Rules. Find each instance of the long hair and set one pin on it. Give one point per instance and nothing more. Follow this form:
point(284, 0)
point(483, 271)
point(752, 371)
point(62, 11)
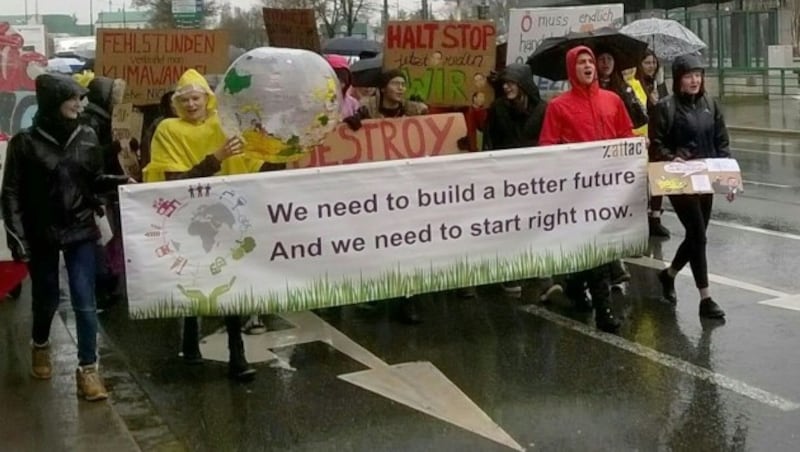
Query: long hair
point(648, 83)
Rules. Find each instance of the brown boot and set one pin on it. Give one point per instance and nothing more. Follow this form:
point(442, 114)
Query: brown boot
point(40, 362)
point(90, 385)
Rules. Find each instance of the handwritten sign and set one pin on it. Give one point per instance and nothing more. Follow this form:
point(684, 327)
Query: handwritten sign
point(151, 61)
point(126, 128)
point(446, 63)
point(389, 139)
point(719, 176)
point(292, 28)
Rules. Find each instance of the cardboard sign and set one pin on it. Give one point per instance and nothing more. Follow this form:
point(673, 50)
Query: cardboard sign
point(695, 177)
point(292, 28)
point(389, 139)
point(446, 63)
point(152, 61)
point(126, 129)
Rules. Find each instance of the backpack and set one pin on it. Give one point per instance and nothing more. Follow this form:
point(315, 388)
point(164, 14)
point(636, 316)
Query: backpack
point(671, 107)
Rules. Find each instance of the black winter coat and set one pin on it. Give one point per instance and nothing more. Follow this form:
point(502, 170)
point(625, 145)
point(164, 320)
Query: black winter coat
point(507, 126)
point(49, 190)
point(98, 117)
point(698, 128)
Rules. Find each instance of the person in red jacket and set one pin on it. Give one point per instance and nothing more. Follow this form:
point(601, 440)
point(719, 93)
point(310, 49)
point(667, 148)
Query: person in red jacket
point(587, 113)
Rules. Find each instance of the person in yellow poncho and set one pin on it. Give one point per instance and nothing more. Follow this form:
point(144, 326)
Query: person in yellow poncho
point(190, 146)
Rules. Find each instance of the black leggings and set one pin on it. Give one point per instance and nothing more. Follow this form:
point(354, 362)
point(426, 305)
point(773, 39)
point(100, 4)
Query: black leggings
point(694, 211)
point(655, 204)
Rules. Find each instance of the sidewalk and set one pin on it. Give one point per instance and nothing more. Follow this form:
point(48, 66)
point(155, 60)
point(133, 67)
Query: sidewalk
point(771, 116)
point(47, 415)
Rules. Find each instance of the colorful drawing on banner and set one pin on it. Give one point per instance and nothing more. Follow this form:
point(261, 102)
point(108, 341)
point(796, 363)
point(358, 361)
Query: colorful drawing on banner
point(282, 102)
point(306, 239)
point(528, 27)
point(446, 63)
point(389, 139)
point(292, 28)
point(18, 67)
point(152, 61)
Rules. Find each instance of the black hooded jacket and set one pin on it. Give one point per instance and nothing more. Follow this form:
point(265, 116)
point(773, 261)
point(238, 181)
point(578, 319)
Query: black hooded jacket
point(53, 171)
point(697, 129)
point(97, 115)
point(509, 126)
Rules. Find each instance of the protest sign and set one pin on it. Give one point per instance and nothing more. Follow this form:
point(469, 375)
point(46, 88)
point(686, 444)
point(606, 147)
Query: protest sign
point(446, 63)
point(292, 28)
point(126, 131)
point(528, 27)
point(152, 61)
point(317, 237)
point(389, 139)
point(695, 176)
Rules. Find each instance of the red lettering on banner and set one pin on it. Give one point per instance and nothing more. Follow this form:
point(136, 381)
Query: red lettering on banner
point(389, 139)
point(467, 36)
point(418, 36)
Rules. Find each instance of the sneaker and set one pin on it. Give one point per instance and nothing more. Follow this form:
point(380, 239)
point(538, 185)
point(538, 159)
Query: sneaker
point(710, 310)
point(551, 291)
point(667, 286)
point(90, 385)
point(41, 368)
point(512, 288)
point(467, 292)
point(254, 326)
point(656, 228)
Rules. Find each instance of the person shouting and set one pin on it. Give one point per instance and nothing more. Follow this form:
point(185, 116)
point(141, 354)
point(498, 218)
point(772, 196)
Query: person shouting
point(587, 113)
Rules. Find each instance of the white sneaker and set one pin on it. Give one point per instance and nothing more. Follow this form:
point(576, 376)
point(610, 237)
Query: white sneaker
point(254, 326)
point(551, 291)
point(511, 288)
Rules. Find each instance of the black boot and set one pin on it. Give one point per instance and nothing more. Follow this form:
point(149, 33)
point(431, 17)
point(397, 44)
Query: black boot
point(407, 311)
point(576, 292)
point(656, 228)
point(238, 368)
point(619, 274)
point(667, 286)
point(710, 310)
point(605, 320)
point(190, 348)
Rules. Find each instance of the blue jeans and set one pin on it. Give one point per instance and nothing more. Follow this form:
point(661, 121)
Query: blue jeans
point(81, 267)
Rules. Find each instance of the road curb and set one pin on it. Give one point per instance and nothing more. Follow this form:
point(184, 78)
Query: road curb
point(764, 131)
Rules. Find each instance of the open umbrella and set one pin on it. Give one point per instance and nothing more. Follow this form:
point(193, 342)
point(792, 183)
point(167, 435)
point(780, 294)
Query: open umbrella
point(550, 58)
point(668, 39)
point(366, 72)
point(353, 46)
point(65, 65)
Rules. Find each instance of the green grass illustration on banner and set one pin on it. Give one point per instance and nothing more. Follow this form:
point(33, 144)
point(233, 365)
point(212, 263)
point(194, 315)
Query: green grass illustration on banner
point(323, 293)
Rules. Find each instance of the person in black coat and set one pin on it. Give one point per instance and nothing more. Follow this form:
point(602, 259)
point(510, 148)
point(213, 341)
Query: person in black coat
point(647, 73)
point(515, 117)
point(689, 125)
point(515, 120)
point(52, 179)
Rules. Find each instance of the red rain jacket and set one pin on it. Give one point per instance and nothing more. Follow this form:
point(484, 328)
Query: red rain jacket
point(584, 113)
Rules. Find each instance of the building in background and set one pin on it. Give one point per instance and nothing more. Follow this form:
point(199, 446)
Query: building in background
point(123, 19)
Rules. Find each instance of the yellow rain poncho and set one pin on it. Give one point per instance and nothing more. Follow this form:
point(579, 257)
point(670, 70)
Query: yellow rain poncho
point(638, 90)
point(179, 145)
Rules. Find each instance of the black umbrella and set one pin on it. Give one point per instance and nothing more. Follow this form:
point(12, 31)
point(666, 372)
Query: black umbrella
point(353, 46)
point(550, 58)
point(366, 72)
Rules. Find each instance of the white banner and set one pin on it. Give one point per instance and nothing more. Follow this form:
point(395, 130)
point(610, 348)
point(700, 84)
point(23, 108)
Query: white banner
point(528, 27)
point(316, 237)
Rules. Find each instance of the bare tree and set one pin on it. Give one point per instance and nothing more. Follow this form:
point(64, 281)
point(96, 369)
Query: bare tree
point(245, 27)
point(161, 12)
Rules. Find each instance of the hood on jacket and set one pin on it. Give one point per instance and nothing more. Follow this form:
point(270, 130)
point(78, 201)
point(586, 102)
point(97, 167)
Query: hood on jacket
point(572, 60)
point(52, 90)
point(683, 65)
point(522, 75)
point(341, 66)
point(106, 92)
point(191, 80)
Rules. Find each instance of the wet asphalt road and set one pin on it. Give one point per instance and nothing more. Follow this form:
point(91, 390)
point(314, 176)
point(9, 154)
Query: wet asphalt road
point(543, 375)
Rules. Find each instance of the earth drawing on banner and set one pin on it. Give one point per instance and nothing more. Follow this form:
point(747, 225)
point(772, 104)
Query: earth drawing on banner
point(282, 102)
